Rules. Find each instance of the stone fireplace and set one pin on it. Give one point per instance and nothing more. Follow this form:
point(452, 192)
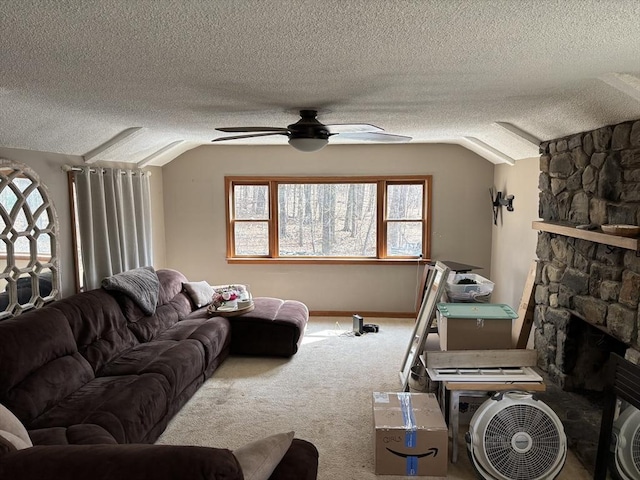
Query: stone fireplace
point(587, 292)
point(588, 178)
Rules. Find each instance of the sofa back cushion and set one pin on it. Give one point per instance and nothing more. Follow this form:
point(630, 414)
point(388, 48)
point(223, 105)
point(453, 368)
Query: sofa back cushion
point(39, 363)
point(173, 305)
point(98, 325)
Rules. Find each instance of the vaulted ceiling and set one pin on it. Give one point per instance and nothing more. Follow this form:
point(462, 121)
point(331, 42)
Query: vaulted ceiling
point(143, 81)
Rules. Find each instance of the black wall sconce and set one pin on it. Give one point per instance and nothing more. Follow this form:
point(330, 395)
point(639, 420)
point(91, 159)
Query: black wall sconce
point(498, 201)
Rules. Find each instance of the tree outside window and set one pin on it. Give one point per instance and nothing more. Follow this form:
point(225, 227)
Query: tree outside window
point(328, 218)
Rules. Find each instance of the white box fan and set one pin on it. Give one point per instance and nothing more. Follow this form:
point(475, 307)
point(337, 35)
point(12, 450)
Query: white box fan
point(513, 436)
point(625, 444)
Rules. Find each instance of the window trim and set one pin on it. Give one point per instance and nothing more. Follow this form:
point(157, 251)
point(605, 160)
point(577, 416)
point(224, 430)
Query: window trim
point(382, 222)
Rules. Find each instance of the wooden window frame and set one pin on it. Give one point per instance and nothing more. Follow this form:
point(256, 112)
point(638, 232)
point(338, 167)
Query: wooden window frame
point(382, 183)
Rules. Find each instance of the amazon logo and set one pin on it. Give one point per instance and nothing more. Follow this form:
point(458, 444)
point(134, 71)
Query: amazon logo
point(432, 452)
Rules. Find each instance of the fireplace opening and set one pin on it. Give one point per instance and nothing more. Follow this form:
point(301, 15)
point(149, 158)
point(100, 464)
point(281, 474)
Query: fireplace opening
point(585, 358)
point(576, 394)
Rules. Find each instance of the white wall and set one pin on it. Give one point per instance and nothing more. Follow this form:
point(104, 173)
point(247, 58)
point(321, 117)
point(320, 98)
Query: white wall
point(513, 246)
point(194, 211)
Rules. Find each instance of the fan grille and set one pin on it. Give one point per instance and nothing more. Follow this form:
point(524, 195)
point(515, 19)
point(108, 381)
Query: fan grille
point(635, 449)
point(538, 457)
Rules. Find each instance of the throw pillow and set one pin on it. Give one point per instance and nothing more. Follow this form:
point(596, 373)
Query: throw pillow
point(200, 292)
point(140, 284)
point(6, 446)
point(259, 459)
point(11, 428)
point(13, 441)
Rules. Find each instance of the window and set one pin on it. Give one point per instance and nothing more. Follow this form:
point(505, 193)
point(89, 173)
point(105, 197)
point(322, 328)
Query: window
point(352, 218)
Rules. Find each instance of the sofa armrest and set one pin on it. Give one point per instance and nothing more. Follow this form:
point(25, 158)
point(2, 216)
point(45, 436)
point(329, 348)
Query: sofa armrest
point(299, 463)
point(124, 462)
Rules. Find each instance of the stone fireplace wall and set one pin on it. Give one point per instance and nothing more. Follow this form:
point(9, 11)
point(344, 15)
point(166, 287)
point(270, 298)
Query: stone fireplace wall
point(588, 178)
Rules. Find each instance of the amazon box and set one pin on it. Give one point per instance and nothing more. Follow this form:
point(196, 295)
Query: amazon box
point(410, 435)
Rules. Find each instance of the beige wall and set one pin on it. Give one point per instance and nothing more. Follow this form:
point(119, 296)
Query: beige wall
point(195, 219)
point(188, 196)
point(48, 166)
point(514, 241)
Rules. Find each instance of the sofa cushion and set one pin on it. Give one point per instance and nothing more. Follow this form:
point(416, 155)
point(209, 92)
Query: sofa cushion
point(83, 434)
point(170, 284)
point(128, 406)
point(98, 325)
point(179, 362)
point(214, 334)
point(174, 304)
point(40, 364)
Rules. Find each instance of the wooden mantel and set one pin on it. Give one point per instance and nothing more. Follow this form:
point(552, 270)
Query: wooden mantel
point(597, 236)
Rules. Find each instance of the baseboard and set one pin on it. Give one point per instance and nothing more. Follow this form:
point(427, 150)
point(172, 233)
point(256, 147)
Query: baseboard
point(349, 313)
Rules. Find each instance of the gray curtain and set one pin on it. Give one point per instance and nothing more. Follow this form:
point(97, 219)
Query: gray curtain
point(114, 221)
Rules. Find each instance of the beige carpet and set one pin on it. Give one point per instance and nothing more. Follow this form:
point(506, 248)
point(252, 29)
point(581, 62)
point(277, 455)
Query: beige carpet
point(323, 393)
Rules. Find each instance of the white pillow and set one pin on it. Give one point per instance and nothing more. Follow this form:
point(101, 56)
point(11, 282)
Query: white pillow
point(12, 429)
point(259, 459)
point(13, 440)
point(200, 292)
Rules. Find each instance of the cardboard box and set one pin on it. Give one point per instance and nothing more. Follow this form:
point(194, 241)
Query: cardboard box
point(410, 435)
point(467, 407)
point(475, 326)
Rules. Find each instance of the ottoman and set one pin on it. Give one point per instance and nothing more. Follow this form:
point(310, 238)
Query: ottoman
point(274, 327)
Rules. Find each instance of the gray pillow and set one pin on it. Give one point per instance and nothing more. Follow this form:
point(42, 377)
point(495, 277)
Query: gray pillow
point(200, 292)
point(140, 284)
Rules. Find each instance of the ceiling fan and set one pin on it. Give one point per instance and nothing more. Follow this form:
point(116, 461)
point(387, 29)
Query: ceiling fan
point(309, 135)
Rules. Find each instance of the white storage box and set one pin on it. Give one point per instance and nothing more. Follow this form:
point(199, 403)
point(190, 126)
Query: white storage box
point(480, 291)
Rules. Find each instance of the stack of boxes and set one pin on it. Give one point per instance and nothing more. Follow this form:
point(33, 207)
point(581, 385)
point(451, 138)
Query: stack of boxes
point(410, 433)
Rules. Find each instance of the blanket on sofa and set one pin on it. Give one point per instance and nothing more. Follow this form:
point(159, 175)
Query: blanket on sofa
point(140, 284)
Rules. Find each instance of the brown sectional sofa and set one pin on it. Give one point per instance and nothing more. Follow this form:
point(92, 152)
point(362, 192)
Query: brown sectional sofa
point(93, 379)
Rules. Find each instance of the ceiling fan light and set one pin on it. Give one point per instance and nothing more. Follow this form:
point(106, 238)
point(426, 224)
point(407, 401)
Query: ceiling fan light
point(308, 144)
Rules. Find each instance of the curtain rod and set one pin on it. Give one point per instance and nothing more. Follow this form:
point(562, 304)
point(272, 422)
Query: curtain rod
point(73, 168)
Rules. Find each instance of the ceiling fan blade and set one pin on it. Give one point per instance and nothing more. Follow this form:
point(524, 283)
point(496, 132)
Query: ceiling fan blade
point(252, 129)
point(352, 128)
point(236, 137)
point(375, 137)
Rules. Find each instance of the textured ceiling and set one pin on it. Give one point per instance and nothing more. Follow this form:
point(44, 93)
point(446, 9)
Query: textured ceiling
point(142, 81)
